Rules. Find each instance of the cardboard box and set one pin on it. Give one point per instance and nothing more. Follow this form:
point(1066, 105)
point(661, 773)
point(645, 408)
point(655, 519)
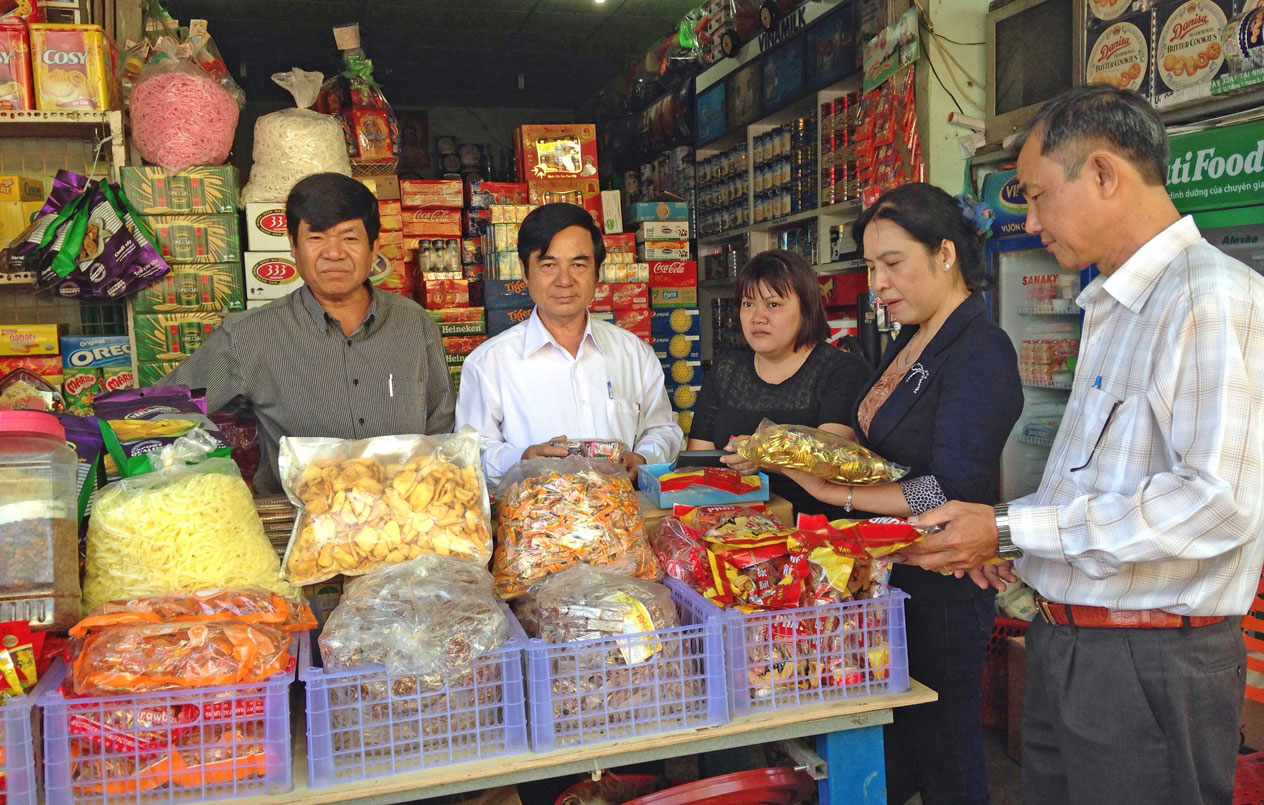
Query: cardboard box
point(432, 223)
point(683, 371)
point(432, 193)
point(620, 296)
point(666, 323)
point(500, 320)
point(15, 67)
point(674, 297)
point(20, 197)
point(171, 336)
point(151, 373)
point(663, 250)
point(438, 294)
point(46, 366)
point(503, 294)
point(611, 211)
point(484, 194)
point(201, 190)
point(270, 275)
point(556, 151)
point(619, 243)
point(460, 321)
point(196, 238)
point(384, 188)
point(266, 228)
point(73, 67)
point(194, 290)
point(678, 346)
point(662, 230)
point(15, 188)
point(655, 211)
point(674, 274)
point(841, 290)
point(462, 344)
point(390, 218)
point(545, 191)
point(96, 352)
point(634, 321)
point(683, 397)
point(21, 340)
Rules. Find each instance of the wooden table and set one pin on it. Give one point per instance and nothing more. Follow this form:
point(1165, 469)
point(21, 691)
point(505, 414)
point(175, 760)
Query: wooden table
point(849, 740)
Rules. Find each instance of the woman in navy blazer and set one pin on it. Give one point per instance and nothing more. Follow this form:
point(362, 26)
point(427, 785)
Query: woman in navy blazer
point(942, 403)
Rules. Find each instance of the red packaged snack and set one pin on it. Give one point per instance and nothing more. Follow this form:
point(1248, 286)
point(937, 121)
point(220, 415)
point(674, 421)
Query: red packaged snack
point(725, 480)
point(135, 658)
point(681, 552)
point(246, 606)
point(629, 296)
point(432, 223)
point(17, 89)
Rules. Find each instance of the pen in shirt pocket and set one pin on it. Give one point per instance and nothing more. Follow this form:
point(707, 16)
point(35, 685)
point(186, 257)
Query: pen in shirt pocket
point(609, 390)
point(1098, 382)
point(390, 385)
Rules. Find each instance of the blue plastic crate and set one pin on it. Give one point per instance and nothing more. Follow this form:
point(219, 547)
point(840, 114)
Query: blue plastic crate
point(18, 775)
point(174, 746)
point(647, 479)
point(792, 657)
point(584, 692)
point(363, 724)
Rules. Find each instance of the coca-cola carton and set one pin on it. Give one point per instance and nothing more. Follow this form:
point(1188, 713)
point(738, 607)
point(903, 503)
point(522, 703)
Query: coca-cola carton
point(17, 89)
point(432, 193)
point(73, 66)
point(432, 223)
point(673, 273)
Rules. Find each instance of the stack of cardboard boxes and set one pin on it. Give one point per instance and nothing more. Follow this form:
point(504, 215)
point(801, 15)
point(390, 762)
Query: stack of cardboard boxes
point(623, 295)
point(20, 198)
point(663, 238)
point(558, 161)
point(193, 216)
point(93, 365)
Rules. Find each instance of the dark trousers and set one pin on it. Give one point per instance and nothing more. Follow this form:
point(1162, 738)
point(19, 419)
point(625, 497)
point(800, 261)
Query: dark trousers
point(937, 749)
point(1132, 715)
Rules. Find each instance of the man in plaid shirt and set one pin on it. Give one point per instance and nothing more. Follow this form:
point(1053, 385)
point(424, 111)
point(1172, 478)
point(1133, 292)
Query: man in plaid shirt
point(1143, 540)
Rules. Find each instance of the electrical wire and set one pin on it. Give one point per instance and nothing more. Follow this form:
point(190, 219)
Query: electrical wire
point(953, 76)
point(947, 91)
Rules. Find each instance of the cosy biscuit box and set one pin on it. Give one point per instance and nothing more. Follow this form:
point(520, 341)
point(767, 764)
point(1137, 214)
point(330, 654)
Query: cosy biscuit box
point(17, 88)
point(73, 67)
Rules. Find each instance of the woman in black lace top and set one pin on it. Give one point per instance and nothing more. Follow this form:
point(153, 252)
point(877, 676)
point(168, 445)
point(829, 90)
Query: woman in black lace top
point(791, 375)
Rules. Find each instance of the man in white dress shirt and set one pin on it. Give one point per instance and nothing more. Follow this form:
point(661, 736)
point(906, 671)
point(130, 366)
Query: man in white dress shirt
point(562, 373)
point(1144, 538)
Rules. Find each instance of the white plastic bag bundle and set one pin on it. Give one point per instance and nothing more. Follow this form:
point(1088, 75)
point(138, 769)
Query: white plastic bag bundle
point(293, 144)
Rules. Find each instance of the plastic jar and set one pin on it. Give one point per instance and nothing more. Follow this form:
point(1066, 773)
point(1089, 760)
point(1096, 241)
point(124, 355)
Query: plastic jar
point(39, 573)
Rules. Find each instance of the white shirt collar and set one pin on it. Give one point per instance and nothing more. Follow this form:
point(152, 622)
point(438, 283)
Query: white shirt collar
point(538, 336)
point(1132, 283)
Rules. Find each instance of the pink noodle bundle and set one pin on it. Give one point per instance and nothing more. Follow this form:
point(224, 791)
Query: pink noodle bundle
point(181, 117)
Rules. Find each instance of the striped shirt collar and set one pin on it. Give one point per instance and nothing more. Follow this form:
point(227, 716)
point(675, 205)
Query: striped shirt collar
point(1136, 279)
point(324, 320)
point(537, 336)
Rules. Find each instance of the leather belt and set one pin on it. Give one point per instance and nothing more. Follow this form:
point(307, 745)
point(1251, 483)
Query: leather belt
point(1103, 618)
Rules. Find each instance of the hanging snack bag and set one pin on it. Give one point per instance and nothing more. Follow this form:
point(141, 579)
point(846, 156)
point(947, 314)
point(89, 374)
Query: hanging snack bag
point(555, 513)
point(823, 454)
point(292, 144)
point(376, 502)
point(356, 100)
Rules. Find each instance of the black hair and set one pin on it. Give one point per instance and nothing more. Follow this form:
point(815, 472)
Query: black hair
point(788, 274)
point(326, 199)
point(1099, 115)
point(930, 216)
point(543, 223)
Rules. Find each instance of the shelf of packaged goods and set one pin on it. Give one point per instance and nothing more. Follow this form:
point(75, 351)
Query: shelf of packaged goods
point(18, 278)
point(1046, 311)
point(1039, 441)
point(82, 122)
point(1047, 384)
point(841, 267)
point(843, 210)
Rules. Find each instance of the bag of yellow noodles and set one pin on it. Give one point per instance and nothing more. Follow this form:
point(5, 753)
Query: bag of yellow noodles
point(185, 522)
point(819, 452)
point(375, 502)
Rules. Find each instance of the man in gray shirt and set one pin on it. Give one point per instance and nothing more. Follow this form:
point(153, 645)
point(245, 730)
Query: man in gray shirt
point(336, 358)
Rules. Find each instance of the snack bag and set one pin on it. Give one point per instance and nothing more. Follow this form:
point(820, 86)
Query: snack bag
point(292, 144)
point(433, 629)
point(141, 657)
point(376, 502)
point(139, 422)
point(185, 521)
point(681, 552)
point(246, 605)
point(553, 513)
point(823, 454)
point(612, 450)
point(354, 98)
